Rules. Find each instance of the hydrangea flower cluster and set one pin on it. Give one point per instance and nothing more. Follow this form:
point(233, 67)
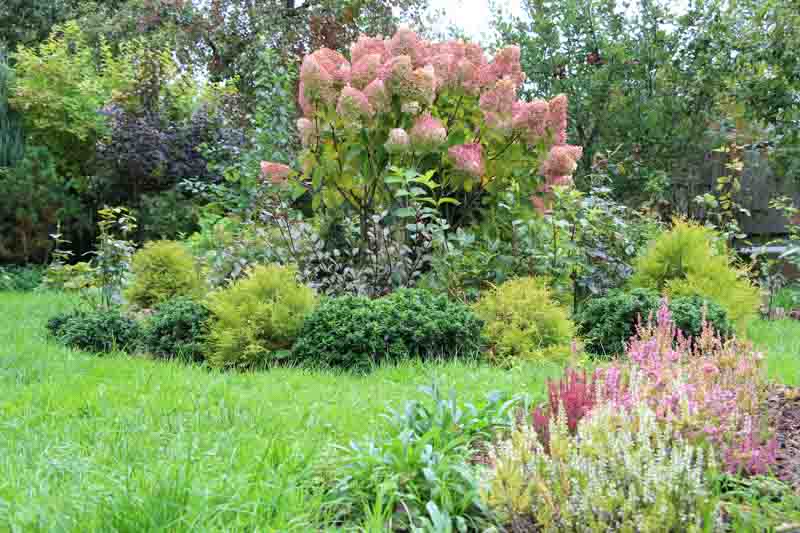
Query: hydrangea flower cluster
point(449, 98)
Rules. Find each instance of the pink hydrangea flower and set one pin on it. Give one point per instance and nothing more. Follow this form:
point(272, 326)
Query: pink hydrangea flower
point(354, 105)
point(378, 96)
point(444, 65)
point(398, 141)
point(307, 131)
point(530, 118)
point(405, 42)
point(365, 70)
point(506, 65)
point(557, 118)
point(497, 104)
point(334, 63)
point(562, 160)
point(317, 82)
point(468, 158)
point(423, 85)
point(276, 173)
point(365, 46)
point(428, 133)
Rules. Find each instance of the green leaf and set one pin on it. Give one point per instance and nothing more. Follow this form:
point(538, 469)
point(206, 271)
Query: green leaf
point(405, 212)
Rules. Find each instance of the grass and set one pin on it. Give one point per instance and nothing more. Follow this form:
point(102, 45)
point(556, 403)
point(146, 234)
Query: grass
point(781, 341)
point(120, 443)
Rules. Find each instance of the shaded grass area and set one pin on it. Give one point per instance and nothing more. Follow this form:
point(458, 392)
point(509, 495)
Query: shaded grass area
point(119, 443)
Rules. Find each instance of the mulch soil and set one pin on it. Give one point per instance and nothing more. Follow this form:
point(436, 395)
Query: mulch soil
point(784, 409)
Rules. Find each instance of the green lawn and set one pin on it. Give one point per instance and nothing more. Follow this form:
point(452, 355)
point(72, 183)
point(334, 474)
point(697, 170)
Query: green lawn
point(128, 444)
point(121, 443)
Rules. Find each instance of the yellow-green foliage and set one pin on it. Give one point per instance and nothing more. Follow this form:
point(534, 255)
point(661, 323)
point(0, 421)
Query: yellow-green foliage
point(692, 259)
point(162, 270)
point(522, 321)
point(257, 319)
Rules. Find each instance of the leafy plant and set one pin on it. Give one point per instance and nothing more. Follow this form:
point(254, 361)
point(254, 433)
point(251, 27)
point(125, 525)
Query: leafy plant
point(95, 330)
point(608, 323)
point(256, 319)
point(417, 474)
point(161, 271)
point(356, 333)
point(523, 322)
point(23, 278)
point(692, 260)
point(176, 328)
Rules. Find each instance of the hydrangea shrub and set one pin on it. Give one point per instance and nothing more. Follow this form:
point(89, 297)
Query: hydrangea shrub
point(405, 101)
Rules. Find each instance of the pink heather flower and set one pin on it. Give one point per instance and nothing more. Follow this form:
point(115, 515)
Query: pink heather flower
point(365, 46)
point(354, 105)
point(557, 118)
point(365, 70)
point(275, 172)
point(428, 133)
point(562, 160)
point(405, 42)
point(506, 65)
point(468, 158)
point(398, 141)
point(307, 130)
point(378, 96)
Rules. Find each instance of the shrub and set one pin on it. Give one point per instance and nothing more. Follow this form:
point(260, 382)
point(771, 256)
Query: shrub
point(522, 321)
point(608, 323)
point(176, 329)
point(94, 330)
point(625, 471)
point(356, 332)
point(162, 270)
point(25, 278)
point(417, 474)
point(692, 259)
point(257, 318)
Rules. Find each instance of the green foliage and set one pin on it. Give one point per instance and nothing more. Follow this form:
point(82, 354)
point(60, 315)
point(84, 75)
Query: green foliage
point(12, 141)
point(176, 329)
point(161, 271)
point(607, 323)
point(59, 90)
point(523, 322)
point(34, 198)
point(100, 330)
point(417, 475)
point(354, 332)
point(22, 278)
point(256, 319)
point(692, 260)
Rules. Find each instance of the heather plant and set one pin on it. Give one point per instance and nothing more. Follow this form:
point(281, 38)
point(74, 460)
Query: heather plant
point(694, 260)
point(712, 390)
point(625, 471)
point(523, 322)
point(441, 107)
